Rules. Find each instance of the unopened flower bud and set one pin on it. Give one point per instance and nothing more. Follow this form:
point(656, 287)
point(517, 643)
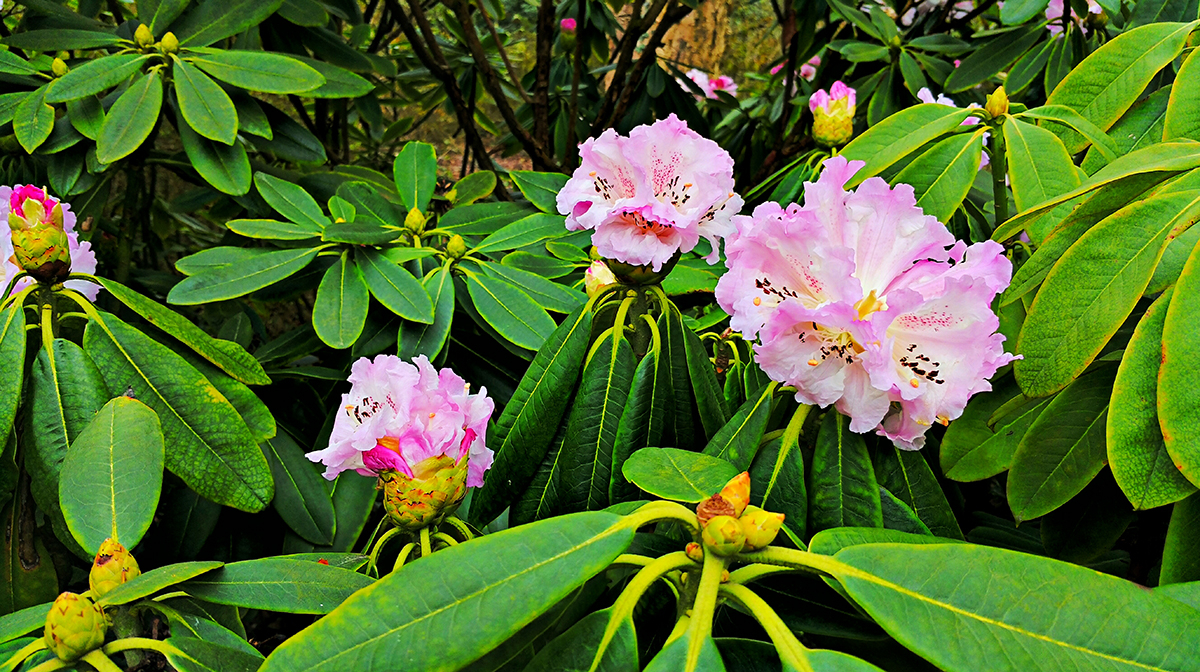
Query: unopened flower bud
point(694, 551)
point(74, 627)
point(760, 527)
point(143, 36)
point(435, 490)
point(414, 221)
point(712, 507)
point(567, 25)
point(597, 277)
point(114, 565)
point(456, 248)
point(737, 492)
point(833, 115)
point(59, 67)
point(724, 536)
point(997, 103)
point(40, 244)
point(169, 43)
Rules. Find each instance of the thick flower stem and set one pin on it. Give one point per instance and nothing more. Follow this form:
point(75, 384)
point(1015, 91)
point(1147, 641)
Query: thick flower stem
point(101, 662)
point(999, 166)
point(426, 548)
point(402, 557)
point(791, 652)
point(128, 643)
point(787, 557)
point(662, 510)
point(638, 585)
point(51, 665)
point(445, 538)
point(373, 557)
point(705, 606)
point(462, 528)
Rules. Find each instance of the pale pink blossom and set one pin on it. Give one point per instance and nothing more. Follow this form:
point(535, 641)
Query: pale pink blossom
point(652, 194)
point(808, 72)
point(926, 96)
point(83, 259)
point(862, 301)
point(398, 414)
point(1054, 12)
point(710, 86)
point(723, 83)
point(598, 276)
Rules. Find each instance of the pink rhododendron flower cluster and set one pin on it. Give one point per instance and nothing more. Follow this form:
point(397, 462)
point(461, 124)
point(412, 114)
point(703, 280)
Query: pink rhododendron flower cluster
point(652, 194)
point(83, 259)
point(711, 86)
point(398, 414)
point(567, 25)
point(861, 300)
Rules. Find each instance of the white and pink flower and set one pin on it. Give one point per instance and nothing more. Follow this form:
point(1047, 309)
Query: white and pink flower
point(83, 259)
point(651, 194)
point(710, 86)
point(860, 300)
point(398, 414)
point(1054, 12)
point(926, 96)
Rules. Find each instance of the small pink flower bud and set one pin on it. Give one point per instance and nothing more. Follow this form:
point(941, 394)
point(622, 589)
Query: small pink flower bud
point(833, 115)
point(567, 26)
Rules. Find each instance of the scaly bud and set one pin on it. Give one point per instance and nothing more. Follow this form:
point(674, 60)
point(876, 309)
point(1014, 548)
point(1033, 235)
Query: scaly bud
point(456, 248)
point(435, 490)
point(833, 115)
point(724, 536)
point(760, 527)
point(59, 67)
point(997, 103)
point(74, 627)
point(113, 566)
point(40, 244)
point(712, 507)
point(143, 36)
point(169, 44)
point(737, 492)
point(414, 221)
point(694, 551)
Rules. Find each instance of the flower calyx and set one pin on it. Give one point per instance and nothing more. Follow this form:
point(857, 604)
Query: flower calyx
point(75, 626)
point(724, 536)
point(113, 566)
point(434, 491)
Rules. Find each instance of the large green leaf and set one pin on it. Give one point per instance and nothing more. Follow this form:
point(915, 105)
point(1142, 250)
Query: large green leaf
point(270, 229)
point(777, 483)
point(843, 490)
point(1181, 552)
point(512, 576)
point(710, 399)
point(1039, 167)
point(737, 441)
point(1063, 449)
point(112, 475)
point(191, 654)
point(1140, 126)
point(340, 310)
point(155, 580)
point(1014, 13)
point(301, 497)
point(1183, 110)
point(94, 77)
point(942, 176)
point(1014, 612)
point(525, 231)
point(339, 82)
point(394, 287)
point(541, 499)
point(369, 205)
point(208, 444)
point(209, 22)
point(224, 166)
point(232, 281)
point(509, 311)
point(1178, 397)
point(131, 119)
point(415, 174)
point(481, 219)
point(540, 188)
point(587, 453)
point(289, 139)
point(54, 40)
point(907, 475)
point(204, 105)
point(24, 621)
point(641, 425)
point(899, 135)
point(674, 657)
point(33, 121)
point(259, 71)
point(1136, 452)
point(522, 434)
point(1093, 288)
point(159, 14)
point(576, 649)
point(278, 584)
point(1112, 78)
point(681, 424)
point(975, 448)
point(428, 339)
point(677, 474)
point(547, 294)
point(291, 201)
point(12, 365)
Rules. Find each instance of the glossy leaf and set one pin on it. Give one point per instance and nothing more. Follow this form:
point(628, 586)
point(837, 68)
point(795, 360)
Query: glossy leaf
point(204, 105)
point(677, 474)
point(94, 77)
point(224, 166)
point(737, 441)
point(473, 187)
point(942, 176)
point(278, 584)
point(672, 376)
point(540, 188)
point(777, 483)
point(899, 135)
point(1178, 398)
point(525, 231)
point(131, 119)
point(973, 449)
point(24, 621)
point(112, 475)
point(210, 22)
point(428, 339)
point(291, 201)
point(394, 287)
point(301, 497)
point(1181, 553)
point(33, 121)
point(340, 310)
point(509, 311)
point(259, 71)
point(1038, 164)
point(897, 515)
point(191, 654)
point(1013, 13)
point(154, 580)
point(415, 174)
point(907, 475)
point(674, 657)
point(641, 425)
point(843, 489)
point(575, 650)
point(230, 282)
point(992, 57)
point(1140, 126)
point(12, 365)
point(270, 229)
point(369, 205)
point(710, 400)
point(549, 295)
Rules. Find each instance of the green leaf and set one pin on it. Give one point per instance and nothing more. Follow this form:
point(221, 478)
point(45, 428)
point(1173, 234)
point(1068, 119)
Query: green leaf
point(1174, 258)
point(1039, 167)
point(204, 105)
point(131, 119)
point(259, 71)
point(525, 231)
point(971, 449)
point(1112, 78)
point(289, 140)
point(394, 286)
point(191, 654)
point(1178, 398)
point(9, 102)
point(674, 657)
point(230, 282)
point(278, 584)
point(677, 474)
point(1014, 13)
point(549, 295)
point(671, 377)
point(301, 497)
point(270, 229)
point(844, 492)
point(369, 205)
point(710, 399)
point(526, 569)
point(415, 173)
point(340, 311)
point(1029, 68)
point(1181, 552)
point(87, 116)
point(12, 64)
point(541, 189)
point(291, 201)
point(901, 134)
point(24, 621)
point(546, 267)
point(339, 82)
point(641, 425)
point(1063, 449)
point(829, 542)
point(429, 339)
point(897, 515)
point(481, 219)
point(12, 365)
point(526, 426)
point(777, 483)
point(112, 476)
point(509, 311)
point(94, 77)
point(942, 176)
point(1183, 110)
point(907, 475)
point(1051, 615)
point(58, 39)
point(162, 14)
point(473, 187)
point(366, 232)
point(210, 22)
point(1140, 126)
point(993, 57)
point(577, 648)
point(252, 410)
point(224, 166)
point(737, 441)
point(33, 121)
point(1136, 452)
point(1099, 139)
point(208, 444)
point(155, 580)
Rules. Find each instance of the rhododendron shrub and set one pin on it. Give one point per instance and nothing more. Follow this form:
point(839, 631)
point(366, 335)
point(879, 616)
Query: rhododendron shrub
point(862, 301)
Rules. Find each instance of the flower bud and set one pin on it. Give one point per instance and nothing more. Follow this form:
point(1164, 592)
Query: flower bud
point(435, 490)
point(414, 221)
point(997, 103)
point(737, 492)
point(457, 247)
point(567, 34)
point(169, 44)
point(143, 36)
point(694, 551)
point(833, 115)
point(712, 507)
point(597, 277)
point(74, 627)
point(724, 536)
point(40, 244)
point(113, 566)
point(760, 527)
point(59, 67)
point(567, 25)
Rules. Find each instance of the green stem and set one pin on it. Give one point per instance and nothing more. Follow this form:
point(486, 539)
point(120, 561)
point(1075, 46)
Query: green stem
point(403, 557)
point(461, 527)
point(755, 571)
point(28, 650)
point(787, 557)
point(638, 585)
point(705, 606)
point(633, 559)
point(426, 549)
point(143, 643)
point(999, 170)
point(19, 295)
point(681, 626)
point(661, 510)
point(373, 557)
point(51, 665)
point(445, 538)
point(101, 662)
point(791, 652)
point(48, 328)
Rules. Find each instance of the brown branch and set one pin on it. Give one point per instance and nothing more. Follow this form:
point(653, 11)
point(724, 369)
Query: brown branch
point(675, 12)
point(576, 75)
point(638, 23)
point(512, 72)
point(541, 71)
point(542, 159)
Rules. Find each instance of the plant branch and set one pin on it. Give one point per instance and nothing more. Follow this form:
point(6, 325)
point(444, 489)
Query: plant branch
point(512, 72)
point(638, 23)
point(543, 49)
point(791, 652)
point(674, 12)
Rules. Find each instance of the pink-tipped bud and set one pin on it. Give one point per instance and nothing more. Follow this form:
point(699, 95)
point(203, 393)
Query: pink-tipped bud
point(724, 536)
point(760, 527)
point(567, 26)
point(833, 115)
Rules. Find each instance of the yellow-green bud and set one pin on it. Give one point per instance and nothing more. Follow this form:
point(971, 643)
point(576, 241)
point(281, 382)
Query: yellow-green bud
point(452, 195)
point(59, 67)
point(414, 221)
point(143, 36)
point(113, 566)
point(594, 254)
point(436, 489)
point(74, 627)
point(833, 115)
point(723, 535)
point(694, 551)
point(997, 103)
point(169, 43)
point(737, 492)
point(597, 277)
point(760, 527)
point(456, 248)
